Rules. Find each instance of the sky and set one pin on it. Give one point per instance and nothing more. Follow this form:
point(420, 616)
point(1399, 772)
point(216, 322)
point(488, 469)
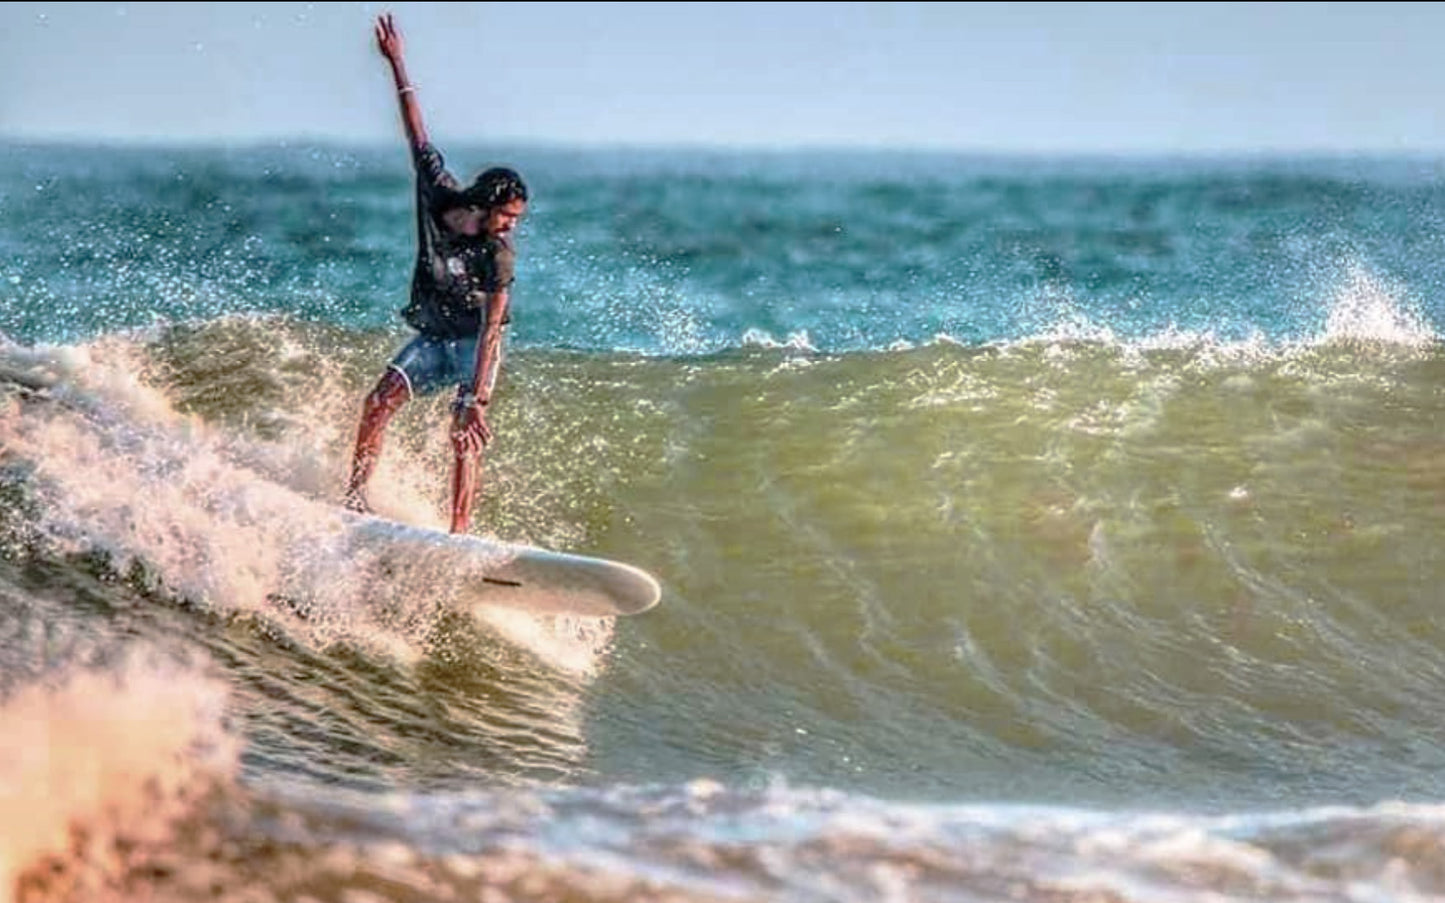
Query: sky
point(987, 77)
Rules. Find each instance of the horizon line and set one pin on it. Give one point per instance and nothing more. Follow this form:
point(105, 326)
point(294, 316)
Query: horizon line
point(800, 147)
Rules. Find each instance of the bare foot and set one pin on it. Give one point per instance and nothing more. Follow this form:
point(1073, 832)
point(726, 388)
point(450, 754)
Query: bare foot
point(355, 500)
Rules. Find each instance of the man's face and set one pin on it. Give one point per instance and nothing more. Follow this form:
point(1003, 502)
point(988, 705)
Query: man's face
point(499, 221)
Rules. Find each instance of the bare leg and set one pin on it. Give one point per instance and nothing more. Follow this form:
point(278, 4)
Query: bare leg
point(390, 394)
point(466, 480)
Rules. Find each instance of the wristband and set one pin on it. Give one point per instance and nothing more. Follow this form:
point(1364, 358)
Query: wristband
point(467, 400)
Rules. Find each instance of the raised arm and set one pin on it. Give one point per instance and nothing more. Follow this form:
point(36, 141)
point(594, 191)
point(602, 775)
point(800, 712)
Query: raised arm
point(388, 41)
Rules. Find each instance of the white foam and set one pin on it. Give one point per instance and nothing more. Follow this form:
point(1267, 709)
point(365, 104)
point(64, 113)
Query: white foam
point(1367, 308)
point(112, 753)
point(224, 520)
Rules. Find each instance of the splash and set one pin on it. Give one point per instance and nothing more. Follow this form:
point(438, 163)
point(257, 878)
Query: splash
point(227, 523)
point(797, 341)
point(1368, 310)
point(104, 763)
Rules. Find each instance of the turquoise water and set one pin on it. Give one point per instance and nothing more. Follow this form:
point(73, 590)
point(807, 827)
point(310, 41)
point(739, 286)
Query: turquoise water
point(682, 254)
point(1042, 529)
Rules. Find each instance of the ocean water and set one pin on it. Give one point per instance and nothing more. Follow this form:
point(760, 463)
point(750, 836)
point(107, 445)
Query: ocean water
point(1030, 529)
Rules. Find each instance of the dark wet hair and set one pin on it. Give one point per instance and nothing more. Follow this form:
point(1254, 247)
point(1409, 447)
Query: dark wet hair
point(495, 187)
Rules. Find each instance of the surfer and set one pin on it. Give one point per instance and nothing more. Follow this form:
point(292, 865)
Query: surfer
point(459, 302)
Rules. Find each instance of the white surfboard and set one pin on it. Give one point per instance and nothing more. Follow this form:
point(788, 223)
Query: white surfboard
point(460, 570)
point(479, 571)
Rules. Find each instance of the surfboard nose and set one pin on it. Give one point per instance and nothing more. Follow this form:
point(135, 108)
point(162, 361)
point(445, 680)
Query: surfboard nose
point(639, 588)
point(476, 571)
point(576, 584)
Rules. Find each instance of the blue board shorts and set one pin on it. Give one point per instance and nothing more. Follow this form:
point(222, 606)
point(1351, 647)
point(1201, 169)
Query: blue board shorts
point(429, 365)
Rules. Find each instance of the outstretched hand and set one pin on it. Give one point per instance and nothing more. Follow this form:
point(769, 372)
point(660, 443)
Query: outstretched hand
point(388, 37)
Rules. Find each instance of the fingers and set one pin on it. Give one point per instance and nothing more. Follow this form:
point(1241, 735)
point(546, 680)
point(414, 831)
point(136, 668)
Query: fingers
point(467, 444)
point(385, 29)
point(471, 439)
point(462, 443)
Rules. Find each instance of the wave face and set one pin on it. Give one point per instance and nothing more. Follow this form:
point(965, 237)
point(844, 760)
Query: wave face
point(1048, 530)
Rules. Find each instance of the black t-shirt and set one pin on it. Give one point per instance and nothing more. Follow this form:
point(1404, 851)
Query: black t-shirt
point(454, 273)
